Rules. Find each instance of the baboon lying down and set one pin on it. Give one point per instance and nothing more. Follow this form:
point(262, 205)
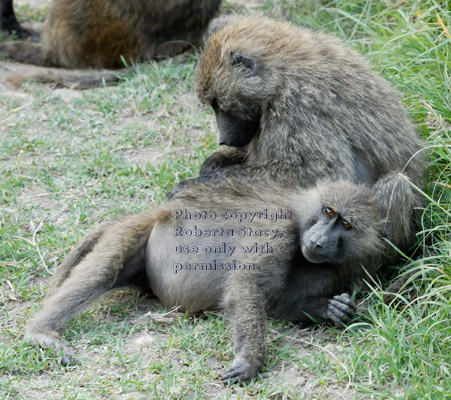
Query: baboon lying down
point(297, 106)
point(295, 255)
point(105, 33)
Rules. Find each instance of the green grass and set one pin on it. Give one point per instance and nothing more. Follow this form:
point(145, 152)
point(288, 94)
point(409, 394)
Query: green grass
point(70, 160)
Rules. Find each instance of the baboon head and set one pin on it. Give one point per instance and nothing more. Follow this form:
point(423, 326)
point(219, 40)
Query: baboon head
point(344, 225)
point(233, 80)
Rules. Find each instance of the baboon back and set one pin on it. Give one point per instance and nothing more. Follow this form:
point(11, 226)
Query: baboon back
point(319, 111)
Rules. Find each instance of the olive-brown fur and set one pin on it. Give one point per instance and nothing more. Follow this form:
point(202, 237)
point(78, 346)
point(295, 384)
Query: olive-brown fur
point(138, 251)
point(310, 108)
point(105, 33)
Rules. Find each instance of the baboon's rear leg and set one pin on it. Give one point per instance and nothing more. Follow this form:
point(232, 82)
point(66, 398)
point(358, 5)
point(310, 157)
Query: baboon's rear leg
point(77, 254)
point(9, 23)
point(116, 260)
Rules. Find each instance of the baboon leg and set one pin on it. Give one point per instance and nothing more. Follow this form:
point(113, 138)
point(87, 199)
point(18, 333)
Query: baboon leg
point(117, 259)
point(74, 258)
point(244, 306)
point(9, 23)
point(87, 282)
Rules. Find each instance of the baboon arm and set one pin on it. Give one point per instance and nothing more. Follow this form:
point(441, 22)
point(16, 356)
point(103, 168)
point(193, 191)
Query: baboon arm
point(282, 173)
point(222, 159)
point(244, 307)
point(336, 310)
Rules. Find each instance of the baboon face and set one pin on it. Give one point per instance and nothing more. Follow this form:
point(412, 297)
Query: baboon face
point(345, 225)
point(328, 237)
point(233, 85)
point(234, 131)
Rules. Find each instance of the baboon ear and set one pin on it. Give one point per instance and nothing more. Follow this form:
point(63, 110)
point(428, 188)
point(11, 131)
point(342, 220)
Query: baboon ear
point(247, 62)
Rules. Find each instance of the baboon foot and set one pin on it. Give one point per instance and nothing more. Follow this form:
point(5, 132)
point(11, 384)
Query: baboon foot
point(51, 340)
point(341, 309)
point(241, 370)
point(22, 33)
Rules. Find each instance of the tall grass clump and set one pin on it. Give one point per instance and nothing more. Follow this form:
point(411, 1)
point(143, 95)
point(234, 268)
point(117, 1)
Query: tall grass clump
point(403, 349)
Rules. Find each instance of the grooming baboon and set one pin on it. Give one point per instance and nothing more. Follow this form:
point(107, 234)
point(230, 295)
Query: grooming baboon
point(105, 33)
point(293, 255)
point(299, 106)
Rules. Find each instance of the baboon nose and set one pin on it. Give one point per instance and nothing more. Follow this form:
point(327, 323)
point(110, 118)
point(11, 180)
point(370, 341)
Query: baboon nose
point(319, 242)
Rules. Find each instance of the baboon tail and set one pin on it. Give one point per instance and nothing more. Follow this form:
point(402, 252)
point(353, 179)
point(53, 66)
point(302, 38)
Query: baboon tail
point(27, 52)
point(73, 79)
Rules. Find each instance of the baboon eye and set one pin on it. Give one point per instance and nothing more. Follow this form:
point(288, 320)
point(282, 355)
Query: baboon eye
point(329, 211)
point(346, 224)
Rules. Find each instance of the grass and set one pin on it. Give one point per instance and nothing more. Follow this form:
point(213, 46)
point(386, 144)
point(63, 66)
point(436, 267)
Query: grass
point(70, 160)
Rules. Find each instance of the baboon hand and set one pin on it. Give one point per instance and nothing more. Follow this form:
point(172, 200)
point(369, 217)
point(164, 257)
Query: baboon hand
point(51, 340)
point(241, 370)
point(180, 188)
point(341, 309)
point(211, 163)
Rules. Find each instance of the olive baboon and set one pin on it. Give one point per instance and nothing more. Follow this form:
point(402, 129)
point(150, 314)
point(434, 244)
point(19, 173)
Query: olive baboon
point(294, 255)
point(299, 106)
point(105, 33)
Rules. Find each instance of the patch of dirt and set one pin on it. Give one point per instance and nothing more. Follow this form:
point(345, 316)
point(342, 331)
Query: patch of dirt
point(142, 157)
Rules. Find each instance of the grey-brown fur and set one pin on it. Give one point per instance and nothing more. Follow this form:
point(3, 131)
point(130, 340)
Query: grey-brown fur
point(102, 33)
point(297, 106)
point(139, 250)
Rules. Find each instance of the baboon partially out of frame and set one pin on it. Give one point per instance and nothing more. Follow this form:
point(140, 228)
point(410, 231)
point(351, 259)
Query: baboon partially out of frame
point(295, 255)
point(9, 23)
point(105, 33)
point(298, 106)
